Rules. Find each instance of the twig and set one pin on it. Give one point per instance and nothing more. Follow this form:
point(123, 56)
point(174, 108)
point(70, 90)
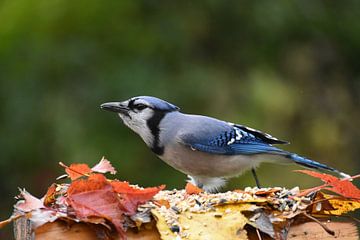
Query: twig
point(328, 230)
point(258, 234)
point(67, 167)
point(10, 219)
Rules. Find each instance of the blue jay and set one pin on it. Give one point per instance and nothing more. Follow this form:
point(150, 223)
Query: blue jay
point(208, 150)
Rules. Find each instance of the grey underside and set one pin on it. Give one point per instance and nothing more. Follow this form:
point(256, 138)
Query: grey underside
point(182, 157)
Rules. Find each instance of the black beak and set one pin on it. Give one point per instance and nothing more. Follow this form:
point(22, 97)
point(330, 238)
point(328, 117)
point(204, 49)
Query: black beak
point(117, 107)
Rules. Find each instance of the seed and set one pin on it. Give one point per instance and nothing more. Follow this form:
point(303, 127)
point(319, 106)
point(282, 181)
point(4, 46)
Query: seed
point(175, 209)
point(175, 228)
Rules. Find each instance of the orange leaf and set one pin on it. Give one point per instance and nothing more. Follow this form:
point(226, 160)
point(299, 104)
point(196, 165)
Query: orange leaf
point(132, 197)
point(340, 186)
point(162, 202)
point(192, 189)
point(77, 170)
point(94, 182)
point(50, 195)
point(268, 192)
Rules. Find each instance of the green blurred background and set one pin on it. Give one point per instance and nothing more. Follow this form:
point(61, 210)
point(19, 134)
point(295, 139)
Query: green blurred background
point(290, 68)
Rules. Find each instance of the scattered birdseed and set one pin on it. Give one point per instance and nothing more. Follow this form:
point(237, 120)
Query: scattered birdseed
point(284, 201)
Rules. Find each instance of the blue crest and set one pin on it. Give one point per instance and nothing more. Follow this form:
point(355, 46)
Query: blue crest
point(158, 103)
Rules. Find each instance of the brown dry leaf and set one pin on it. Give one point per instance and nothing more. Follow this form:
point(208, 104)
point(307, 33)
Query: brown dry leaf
point(225, 222)
point(260, 220)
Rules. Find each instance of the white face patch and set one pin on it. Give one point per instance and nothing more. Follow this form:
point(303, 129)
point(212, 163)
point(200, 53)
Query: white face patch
point(137, 121)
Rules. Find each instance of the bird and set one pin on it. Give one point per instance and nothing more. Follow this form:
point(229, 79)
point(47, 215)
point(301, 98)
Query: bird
point(207, 149)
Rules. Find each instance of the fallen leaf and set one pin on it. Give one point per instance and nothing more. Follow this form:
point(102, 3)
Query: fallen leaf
point(40, 217)
point(49, 197)
point(104, 166)
point(189, 214)
point(95, 197)
point(267, 192)
point(342, 206)
point(261, 221)
point(131, 197)
point(225, 222)
point(28, 202)
point(333, 205)
point(77, 170)
point(162, 202)
point(340, 186)
point(192, 189)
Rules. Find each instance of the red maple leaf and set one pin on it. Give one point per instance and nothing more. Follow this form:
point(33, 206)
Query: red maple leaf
point(98, 197)
point(95, 197)
point(340, 186)
point(132, 197)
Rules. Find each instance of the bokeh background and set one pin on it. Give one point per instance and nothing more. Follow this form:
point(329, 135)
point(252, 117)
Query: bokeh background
point(290, 68)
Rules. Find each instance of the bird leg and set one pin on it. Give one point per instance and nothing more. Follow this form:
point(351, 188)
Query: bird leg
point(256, 178)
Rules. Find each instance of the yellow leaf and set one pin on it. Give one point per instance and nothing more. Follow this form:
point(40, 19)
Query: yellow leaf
point(334, 205)
point(225, 222)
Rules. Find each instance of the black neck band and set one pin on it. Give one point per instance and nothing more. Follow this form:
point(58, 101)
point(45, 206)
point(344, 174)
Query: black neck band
point(153, 124)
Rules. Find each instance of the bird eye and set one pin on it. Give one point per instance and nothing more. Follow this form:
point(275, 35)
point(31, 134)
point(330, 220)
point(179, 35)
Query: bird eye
point(140, 106)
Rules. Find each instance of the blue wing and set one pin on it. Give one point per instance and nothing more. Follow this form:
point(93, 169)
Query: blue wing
point(236, 140)
point(231, 139)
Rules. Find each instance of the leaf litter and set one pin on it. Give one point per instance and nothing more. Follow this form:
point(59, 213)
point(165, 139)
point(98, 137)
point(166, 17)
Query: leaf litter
point(191, 213)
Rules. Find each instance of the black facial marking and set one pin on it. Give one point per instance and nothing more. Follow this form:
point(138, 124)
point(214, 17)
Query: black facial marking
point(136, 106)
point(140, 106)
point(131, 103)
point(153, 124)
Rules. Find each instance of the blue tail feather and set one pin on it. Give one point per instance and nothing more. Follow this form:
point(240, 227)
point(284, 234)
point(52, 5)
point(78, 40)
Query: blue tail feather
point(313, 164)
point(309, 163)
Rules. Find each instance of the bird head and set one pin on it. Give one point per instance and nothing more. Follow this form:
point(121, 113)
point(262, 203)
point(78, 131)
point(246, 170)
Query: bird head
point(142, 114)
